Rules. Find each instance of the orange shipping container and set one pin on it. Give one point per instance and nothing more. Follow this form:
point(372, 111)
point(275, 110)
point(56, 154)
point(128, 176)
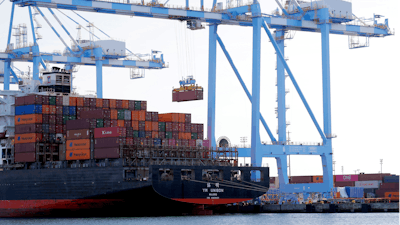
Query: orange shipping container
point(114, 114)
point(148, 126)
point(28, 119)
point(78, 154)
point(125, 104)
point(79, 101)
point(317, 179)
point(28, 138)
point(45, 109)
point(394, 196)
point(78, 144)
point(72, 101)
point(121, 123)
point(142, 115)
point(99, 102)
point(154, 134)
point(168, 117)
point(154, 126)
point(188, 136)
point(113, 103)
point(135, 115)
point(181, 135)
point(135, 125)
point(52, 109)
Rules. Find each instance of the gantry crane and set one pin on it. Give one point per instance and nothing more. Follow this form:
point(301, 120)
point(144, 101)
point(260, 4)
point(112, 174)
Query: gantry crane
point(325, 17)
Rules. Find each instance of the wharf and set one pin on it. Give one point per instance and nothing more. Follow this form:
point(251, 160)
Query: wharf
point(311, 208)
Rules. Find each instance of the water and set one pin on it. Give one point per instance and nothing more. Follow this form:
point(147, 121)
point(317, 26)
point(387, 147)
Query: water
point(228, 219)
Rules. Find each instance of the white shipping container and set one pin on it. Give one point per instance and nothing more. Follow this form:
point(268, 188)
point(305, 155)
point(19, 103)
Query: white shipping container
point(199, 143)
point(368, 184)
point(65, 100)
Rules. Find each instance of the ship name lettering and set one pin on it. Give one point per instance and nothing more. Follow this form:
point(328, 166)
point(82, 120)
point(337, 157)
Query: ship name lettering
point(205, 190)
point(212, 194)
point(106, 132)
point(216, 190)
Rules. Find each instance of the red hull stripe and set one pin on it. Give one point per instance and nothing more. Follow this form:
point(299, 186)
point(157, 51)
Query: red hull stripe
point(56, 204)
point(203, 201)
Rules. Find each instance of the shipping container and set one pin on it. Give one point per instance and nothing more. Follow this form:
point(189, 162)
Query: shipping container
point(154, 134)
point(106, 103)
point(391, 179)
point(168, 117)
point(78, 124)
point(171, 142)
point(393, 196)
point(78, 154)
point(78, 144)
point(28, 109)
point(28, 138)
point(113, 103)
point(45, 100)
point(148, 116)
point(59, 109)
point(143, 105)
point(368, 184)
point(45, 109)
point(391, 186)
point(301, 179)
point(125, 104)
point(109, 142)
point(33, 100)
point(345, 184)
point(110, 132)
point(65, 110)
point(25, 157)
point(175, 135)
point(65, 100)
point(200, 136)
point(366, 177)
point(207, 143)
point(99, 102)
point(342, 178)
point(78, 134)
point(121, 123)
point(131, 105)
point(355, 192)
point(52, 119)
point(127, 115)
point(318, 179)
point(161, 134)
point(72, 110)
point(161, 126)
point(137, 105)
point(25, 147)
point(127, 123)
point(52, 100)
point(79, 101)
point(59, 100)
point(148, 134)
point(52, 109)
point(193, 136)
point(181, 127)
point(28, 128)
point(72, 101)
point(168, 135)
point(141, 134)
point(107, 153)
point(99, 123)
point(199, 143)
point(154, 126)
point(20, 101)
point(129, 132)
point(188, 118)
point(154, 116)
point(129, 141)
point(120, 114)
point(93, 114)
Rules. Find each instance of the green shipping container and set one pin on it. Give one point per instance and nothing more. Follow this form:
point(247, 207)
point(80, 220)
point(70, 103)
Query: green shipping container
point(71, 117)
point(135, 134)
point(99, 123)
point(65, 118)
point(168, 135)
point(52, 100)
point(121, 114)
point(161, 126)
point(194, 135)
point(137, 105)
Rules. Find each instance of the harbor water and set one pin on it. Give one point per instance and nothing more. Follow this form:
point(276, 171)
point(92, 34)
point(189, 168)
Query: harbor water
point(227, 219)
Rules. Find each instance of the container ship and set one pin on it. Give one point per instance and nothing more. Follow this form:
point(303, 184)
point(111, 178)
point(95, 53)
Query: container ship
point(65, 155)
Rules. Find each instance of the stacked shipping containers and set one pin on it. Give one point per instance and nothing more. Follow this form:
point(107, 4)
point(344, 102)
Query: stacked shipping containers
point(42, 119)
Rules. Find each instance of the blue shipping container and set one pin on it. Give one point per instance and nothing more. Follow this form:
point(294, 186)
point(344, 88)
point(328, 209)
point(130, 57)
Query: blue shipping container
point(355, 192)
point(72, 110)
point(45, 128)
point(65, 110)
point(28, 109)
point(157, 141)
point(391, 179)
point(142, 134)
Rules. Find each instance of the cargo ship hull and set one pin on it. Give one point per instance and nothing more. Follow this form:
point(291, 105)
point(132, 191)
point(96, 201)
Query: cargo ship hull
point(102, 192)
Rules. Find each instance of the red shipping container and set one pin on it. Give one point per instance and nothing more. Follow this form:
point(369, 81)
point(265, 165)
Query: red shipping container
point(78, 124)
point(175, 135)
point(154, 116)
point(127, 123)
point(389, 186)
point(79, 101)
point(207, 143)
point(114, 123)
point(109, 142)
point(345, 184)
point(52, 119)
point(106, 103)
point(178, 142)
point(142, 125)
point(45, 118)
point(59, 119)
point(109, 132)
point(181, 127)
point(148, 134)
point(131, 105)
point(200, 128)
point(192, 143)
point(107, 123)
point(168, 126)
point(154, 126)
point(193, 128)
point(106, 153)
point(143, 105)
point(45, 100)
point(148, 116)
point(20, 101)
point(175, 127)
point(28, 128)
point(341, 178)
point(93, 114)
point(129, 140)
point(25, 157)
point(200, 136)
point(78, 134)
point(148, 126)
point(135, 125)
point(154, 134)
point(59, 100)
point(25, 147)
point(367, 177)
point(188, 118)
point(33, 100)
point(59, 129)
point(171, 142)
point(161, 134)
point(99, 102)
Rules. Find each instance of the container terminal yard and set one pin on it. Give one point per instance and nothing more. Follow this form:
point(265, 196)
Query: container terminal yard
point(62, 151)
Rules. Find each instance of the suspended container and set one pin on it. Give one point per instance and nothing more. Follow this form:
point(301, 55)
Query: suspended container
point(188, 91)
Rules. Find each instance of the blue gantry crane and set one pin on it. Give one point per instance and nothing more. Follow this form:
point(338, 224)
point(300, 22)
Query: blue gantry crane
point(324, 17)
point(94, 53)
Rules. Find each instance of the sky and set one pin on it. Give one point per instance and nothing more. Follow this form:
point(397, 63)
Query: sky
point(364, 84)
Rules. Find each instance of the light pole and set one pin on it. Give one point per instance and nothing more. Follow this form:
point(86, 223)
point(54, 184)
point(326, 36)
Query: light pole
point(381, 164)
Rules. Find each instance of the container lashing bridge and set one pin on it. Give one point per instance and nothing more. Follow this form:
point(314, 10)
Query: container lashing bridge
point(324, 17)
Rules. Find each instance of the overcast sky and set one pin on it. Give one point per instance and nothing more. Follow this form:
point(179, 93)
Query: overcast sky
point(364, 82)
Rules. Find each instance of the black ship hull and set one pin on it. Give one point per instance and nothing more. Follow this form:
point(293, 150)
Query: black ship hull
point(110, 191)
